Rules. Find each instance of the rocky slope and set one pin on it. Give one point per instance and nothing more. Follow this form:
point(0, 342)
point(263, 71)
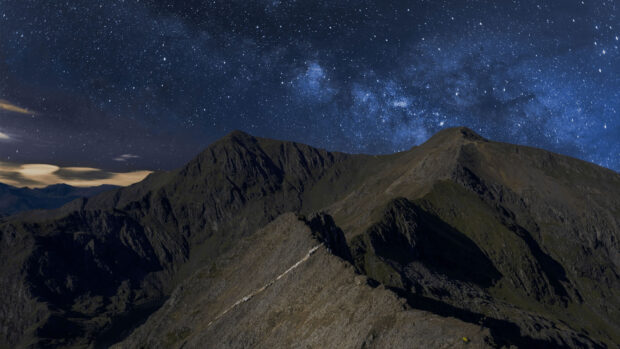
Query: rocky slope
point(313, 305)
point(459, 237)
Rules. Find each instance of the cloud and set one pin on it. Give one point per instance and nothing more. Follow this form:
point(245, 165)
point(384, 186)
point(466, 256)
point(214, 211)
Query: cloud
point(125, 157)
point(82, 173)
point(8, 106)
point(42, 175)
point(17, 179)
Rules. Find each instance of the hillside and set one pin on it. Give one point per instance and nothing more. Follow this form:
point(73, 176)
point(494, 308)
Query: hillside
point(458, 237)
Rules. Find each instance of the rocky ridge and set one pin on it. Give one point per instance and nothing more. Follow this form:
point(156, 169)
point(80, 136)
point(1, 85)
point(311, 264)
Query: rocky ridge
point(502, 244)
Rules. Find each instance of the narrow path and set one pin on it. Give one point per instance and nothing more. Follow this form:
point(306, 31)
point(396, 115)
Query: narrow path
point(251, 295)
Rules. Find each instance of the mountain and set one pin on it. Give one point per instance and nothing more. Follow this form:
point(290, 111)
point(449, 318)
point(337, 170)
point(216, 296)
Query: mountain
point(460, 241)
point(13, 200)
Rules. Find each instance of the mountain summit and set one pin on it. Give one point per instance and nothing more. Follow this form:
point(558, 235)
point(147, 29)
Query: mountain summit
point(460, 241)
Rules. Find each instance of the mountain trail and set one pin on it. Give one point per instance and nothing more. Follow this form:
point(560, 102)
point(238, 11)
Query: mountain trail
point(256, 292)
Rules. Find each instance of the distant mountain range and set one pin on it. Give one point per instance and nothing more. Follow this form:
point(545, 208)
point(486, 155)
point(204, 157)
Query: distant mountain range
point(13, 200)
point(257, 243)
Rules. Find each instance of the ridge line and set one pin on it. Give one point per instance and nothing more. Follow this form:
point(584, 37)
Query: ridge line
point(257, 291)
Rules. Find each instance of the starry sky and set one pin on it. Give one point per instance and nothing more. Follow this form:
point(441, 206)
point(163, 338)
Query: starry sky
point(125, 85)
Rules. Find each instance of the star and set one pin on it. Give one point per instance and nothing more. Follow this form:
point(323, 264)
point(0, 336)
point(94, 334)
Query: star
point(372, 78)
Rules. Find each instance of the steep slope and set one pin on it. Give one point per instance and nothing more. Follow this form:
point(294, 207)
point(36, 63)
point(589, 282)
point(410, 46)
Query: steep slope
point(283, 288)
point(97, 264)
point(13, 200)
point(517, 240)
point(549, 224)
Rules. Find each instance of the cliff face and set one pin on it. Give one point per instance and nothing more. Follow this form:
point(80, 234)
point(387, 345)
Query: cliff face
point(502, 244)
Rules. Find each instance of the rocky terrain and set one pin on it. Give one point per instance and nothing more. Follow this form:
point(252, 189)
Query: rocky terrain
point(259, 243)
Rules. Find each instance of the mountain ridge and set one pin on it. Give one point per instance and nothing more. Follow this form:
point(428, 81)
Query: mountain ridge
point(526, 215)
point(14, 200)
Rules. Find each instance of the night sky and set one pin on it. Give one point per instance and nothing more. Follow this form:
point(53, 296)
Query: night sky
point(137, 84)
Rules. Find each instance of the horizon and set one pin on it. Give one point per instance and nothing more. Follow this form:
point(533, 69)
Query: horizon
point(37, 176)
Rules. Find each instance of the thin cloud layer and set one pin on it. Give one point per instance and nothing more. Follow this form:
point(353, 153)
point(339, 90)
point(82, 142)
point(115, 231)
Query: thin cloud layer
point(82, 173)
point(42, 175)
point(126, 157)
point(8, 106)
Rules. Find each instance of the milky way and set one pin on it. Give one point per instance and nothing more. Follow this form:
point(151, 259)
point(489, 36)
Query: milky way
point(125, 85)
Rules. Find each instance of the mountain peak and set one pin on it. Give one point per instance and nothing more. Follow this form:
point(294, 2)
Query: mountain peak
point(238, 134)
point(454, 221)
point(235, 137)
point(453, 136)
point(460, 132)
